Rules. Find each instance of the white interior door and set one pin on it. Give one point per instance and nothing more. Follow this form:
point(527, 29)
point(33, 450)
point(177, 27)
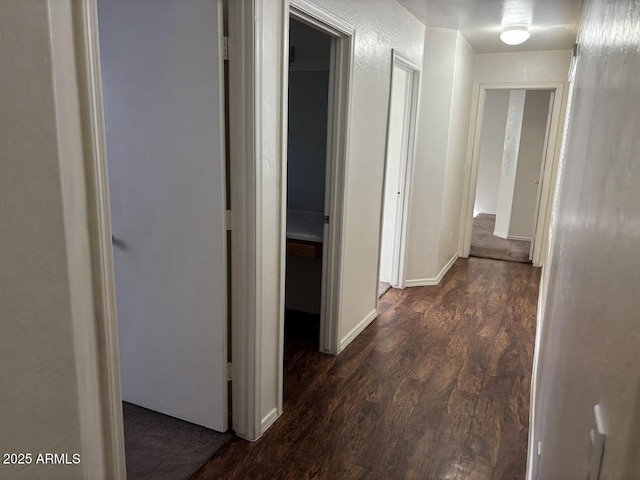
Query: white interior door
point(541, 175)
point(394, 175)
point(161, 72)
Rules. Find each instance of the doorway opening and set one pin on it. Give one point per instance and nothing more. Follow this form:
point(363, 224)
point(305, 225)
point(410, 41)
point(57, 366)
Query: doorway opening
point(162, 91)
point(319, 54)
point(401, 127)
point(546, 176)
point(513, 144)
point(307, 169)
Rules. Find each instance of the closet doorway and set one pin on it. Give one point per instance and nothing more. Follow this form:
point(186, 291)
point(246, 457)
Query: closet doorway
point(401, 127)
point(308, 108)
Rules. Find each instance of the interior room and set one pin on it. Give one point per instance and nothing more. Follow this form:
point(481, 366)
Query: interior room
point(308, 101)
point(513, 145)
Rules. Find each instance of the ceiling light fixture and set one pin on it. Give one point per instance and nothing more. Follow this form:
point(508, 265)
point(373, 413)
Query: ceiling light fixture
point(515, 34)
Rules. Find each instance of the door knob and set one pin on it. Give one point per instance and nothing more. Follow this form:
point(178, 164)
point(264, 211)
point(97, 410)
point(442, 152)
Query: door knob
point(117, 242)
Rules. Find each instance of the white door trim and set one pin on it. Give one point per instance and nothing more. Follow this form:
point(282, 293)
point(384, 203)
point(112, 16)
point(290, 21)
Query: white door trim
point(550, 170)
point(340, 85)
point(91, 100)
point(244, 148)
point(398, 279)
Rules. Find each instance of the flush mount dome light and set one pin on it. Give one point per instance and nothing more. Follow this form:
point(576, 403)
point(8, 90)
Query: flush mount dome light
point(515, 34)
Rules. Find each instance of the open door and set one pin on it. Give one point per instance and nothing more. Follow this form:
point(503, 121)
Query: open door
point(540, 180)
point(162, 78)
point(400, 140)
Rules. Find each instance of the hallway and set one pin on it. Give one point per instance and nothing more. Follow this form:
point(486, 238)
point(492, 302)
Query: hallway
point(436, 387)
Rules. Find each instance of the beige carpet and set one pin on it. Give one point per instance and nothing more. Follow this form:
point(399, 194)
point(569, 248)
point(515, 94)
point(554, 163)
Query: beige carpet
point(382, 288)
point(485, 244)
point(159, 447)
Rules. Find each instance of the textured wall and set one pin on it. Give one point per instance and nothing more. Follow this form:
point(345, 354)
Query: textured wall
point(39, 377)
point(438, 176)
point(427, 189)
point(590, 337)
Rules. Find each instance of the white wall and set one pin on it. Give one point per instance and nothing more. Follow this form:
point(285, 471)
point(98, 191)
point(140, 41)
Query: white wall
point(49, 398)
point(510, 154)
point(531, 151)
point(491, 148)
point(447, 80)
point(308, 104)
point(379, 29)
point(589, 329)
point(462, 88)
point(523, 67)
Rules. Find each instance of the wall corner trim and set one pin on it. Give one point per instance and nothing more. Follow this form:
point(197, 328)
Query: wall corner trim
point(349, 337)
point(425, 282)
point(269, 419)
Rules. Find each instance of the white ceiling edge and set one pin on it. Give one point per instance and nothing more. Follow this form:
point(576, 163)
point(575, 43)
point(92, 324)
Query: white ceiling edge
point(553, 23)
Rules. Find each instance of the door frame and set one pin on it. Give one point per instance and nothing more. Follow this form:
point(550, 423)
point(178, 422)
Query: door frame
point(252, 180)
point(97, 182)
point(340, 73)
point(551, 157)
point(412, 102)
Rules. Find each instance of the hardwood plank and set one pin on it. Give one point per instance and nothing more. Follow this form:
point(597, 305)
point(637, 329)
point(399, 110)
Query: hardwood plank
point(355, 472)
point(436, 387)
point(424, 369)
point(409, 458)
point(444, 378)
point(511, 463)
point(483, 440)
point(470, 470)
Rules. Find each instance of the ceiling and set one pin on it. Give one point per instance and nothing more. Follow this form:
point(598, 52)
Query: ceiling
point(552, 23)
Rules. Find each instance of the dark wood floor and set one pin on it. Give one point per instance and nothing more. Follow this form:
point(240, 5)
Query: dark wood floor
point(436, 388)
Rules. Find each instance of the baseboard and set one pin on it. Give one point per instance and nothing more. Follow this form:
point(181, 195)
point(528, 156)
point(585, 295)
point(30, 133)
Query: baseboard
point(269, 419)
point(358, 329)
point(486, 213)
point(425, 282)
point(516, 237)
